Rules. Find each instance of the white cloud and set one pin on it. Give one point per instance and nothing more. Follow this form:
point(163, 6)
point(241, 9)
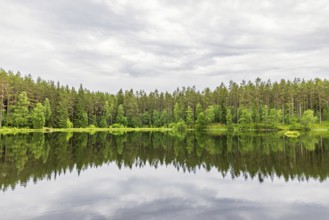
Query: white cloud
point(163, 193)
point(107, 45)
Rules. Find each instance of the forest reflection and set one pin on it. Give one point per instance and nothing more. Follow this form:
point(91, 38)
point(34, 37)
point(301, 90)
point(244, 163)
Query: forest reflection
point(38, 156)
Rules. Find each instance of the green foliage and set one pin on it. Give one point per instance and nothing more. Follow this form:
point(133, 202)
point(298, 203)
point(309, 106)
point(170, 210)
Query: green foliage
point(210, 114)
point(189, 117)
point(217, 113)
point(38, 116)
point(146, 119)
point(325, 115)
point(292, 134)
point(20, 115)
point(131, 109)
point(156, 118)
point(261, 104)
point(295, 159)
point(229, 117)
point(292, 119)
point(201, 121)
point(92, 126)
point(48, 111)
point(107, 111)
point(198, 110)
point(107, 114)
point(264, 115)
point(295, 126)
point(92, 120)
point(80, 119)
point(69, 124)
point(60, 114)
point(256, 116)
point(117, 125)
point(180, 126)
point(308, 119)
point(121, 119)
point(80, 116)
point(178, 113)
point(273, 118)
point(244, 116)
point(103, 122)
point(164, 119)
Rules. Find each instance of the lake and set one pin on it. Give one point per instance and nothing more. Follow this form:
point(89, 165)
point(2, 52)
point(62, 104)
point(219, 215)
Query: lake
point(164, 176)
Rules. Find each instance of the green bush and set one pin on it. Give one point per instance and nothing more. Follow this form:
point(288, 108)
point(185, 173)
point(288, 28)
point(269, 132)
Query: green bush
point(69, 124)
point(180, 126)
point(171, 125)
point(117, 125)
point(296, 126)
point(92, 126)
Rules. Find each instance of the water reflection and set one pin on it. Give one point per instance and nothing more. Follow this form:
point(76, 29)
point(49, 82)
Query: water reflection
point(40, 156)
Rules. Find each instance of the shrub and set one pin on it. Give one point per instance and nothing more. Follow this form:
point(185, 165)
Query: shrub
point(117, 125)
point(180, 126)
point(69, 124)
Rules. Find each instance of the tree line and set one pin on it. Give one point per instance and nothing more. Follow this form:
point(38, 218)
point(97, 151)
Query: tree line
point(25, 102)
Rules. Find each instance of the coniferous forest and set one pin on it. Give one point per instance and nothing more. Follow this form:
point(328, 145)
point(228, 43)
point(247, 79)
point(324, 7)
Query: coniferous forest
point(28, 103)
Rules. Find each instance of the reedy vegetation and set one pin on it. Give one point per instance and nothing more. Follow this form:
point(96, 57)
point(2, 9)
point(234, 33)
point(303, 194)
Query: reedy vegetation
point(259, 104)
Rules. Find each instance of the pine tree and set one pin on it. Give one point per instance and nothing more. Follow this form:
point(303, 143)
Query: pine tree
point(38, 116)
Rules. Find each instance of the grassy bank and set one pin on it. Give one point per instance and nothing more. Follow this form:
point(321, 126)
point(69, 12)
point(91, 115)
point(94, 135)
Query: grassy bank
point(212, 128)
point(88, 130)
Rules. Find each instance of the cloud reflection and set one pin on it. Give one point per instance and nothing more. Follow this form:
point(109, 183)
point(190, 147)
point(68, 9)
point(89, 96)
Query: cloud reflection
point(163, 193)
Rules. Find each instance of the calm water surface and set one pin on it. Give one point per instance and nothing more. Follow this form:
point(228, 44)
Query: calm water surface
point(163, 176)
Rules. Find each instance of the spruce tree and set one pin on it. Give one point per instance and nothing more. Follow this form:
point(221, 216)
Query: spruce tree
point(164, 118)
point(189, 117)
point(121, 119)
point(156, 118)
point(201, 121)
point(146, 120)
point(178, 112)
point(60, 114)
point(20, 115)
point(48, 112)
point(38, 116)
point(80, 120)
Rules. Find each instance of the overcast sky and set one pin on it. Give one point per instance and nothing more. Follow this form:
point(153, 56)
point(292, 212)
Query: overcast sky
point(146, 44)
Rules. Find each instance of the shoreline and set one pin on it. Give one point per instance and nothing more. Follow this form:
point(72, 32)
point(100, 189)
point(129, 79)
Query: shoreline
point(116, 130)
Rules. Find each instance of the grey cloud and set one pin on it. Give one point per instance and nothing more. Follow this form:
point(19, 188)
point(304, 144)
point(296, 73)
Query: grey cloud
point(158, 39)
